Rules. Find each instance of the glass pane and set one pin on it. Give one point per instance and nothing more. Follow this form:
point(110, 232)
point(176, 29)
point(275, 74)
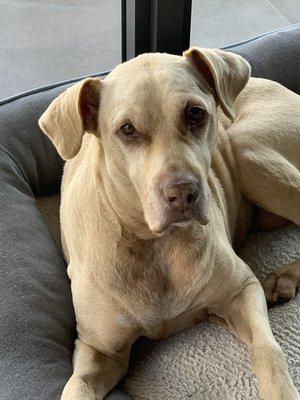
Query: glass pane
point(217, 23)
point(46, 41)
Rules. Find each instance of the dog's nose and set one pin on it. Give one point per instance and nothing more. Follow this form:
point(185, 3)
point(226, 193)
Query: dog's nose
point(181, 194)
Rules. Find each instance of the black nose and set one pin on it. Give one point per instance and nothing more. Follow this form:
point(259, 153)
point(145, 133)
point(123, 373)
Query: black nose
point(181, 194)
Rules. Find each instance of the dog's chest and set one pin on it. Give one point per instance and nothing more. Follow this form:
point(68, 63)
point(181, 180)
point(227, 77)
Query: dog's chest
point(165, 279)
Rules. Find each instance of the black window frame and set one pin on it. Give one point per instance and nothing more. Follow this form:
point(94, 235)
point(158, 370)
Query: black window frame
point(155, 26)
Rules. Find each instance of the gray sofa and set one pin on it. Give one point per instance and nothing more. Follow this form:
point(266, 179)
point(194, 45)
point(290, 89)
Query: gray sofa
point(37, 325)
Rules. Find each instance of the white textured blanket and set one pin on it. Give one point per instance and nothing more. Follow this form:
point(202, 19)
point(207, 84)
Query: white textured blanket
point(208, 363)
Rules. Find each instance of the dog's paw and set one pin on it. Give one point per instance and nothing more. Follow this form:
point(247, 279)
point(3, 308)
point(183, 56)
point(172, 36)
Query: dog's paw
point(279, 288)
point(77, 389)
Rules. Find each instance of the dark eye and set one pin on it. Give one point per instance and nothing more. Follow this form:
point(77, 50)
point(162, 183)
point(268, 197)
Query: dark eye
point(127, 129)
point(195, 116)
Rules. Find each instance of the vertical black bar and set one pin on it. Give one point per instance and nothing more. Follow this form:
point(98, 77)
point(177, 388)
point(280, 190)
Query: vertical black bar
point(123, 22)
point(155, 25)
point(142, 33)
point(186, 24)
point(171, 25)
point(135, 28)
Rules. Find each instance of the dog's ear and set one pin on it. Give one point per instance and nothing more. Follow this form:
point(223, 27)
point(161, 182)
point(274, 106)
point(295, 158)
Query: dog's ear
point(71, 114)
point(226, 73)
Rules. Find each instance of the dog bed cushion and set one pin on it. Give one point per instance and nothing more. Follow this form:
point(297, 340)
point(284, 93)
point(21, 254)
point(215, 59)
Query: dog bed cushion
point(37, 324)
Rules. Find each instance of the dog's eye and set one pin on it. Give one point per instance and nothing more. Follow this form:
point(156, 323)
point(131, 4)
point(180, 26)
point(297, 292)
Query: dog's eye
point(128, 133)
point(127, 129)
point(195, 116)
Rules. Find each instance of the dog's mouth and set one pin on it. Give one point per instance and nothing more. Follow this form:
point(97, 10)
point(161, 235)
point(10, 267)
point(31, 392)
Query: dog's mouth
point(161, 215)
point(182, 218)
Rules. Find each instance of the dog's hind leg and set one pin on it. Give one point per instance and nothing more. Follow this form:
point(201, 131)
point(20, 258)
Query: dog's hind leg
point(277, 190)
point(272, 182)
point(265, 144)
point(270, 179)
point(281, 286)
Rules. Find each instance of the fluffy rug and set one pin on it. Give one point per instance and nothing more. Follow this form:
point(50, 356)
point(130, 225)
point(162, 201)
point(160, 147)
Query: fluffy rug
point(206, 362)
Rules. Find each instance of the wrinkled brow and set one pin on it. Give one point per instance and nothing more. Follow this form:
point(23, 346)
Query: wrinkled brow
point(140, 118)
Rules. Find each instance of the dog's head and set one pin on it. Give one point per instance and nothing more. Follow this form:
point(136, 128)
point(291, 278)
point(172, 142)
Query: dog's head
point(155, 118)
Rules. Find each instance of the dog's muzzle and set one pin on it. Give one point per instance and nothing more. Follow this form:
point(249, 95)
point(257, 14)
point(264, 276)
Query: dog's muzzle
point(184, 199)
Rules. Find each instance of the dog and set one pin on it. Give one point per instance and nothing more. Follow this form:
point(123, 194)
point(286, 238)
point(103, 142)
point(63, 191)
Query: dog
point(170, 160)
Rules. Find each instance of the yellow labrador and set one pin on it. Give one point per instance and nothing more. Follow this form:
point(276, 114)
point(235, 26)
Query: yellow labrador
point(169, 159)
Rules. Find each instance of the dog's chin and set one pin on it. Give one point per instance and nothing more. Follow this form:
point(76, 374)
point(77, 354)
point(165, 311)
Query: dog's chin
point(163, 226)
point(160, 217)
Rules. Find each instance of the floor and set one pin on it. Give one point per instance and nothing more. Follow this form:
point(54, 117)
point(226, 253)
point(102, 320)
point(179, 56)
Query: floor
point(45, 41)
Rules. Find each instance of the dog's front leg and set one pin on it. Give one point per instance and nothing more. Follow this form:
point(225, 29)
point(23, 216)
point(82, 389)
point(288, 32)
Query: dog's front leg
point(247, 317)
point(95, 374)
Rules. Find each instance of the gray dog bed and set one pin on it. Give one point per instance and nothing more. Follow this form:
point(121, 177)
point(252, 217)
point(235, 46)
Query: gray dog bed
point(37, 325)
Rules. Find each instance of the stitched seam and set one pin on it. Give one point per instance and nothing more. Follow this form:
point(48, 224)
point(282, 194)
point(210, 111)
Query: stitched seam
point(42, 89)
point(252, 39)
